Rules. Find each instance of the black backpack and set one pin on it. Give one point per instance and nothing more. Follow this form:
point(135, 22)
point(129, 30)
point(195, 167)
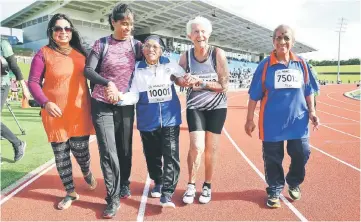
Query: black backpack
point(104, 45)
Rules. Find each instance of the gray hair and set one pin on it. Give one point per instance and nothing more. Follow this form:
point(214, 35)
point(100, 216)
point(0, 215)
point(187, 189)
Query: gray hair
point(200, 21)
point(286, 28)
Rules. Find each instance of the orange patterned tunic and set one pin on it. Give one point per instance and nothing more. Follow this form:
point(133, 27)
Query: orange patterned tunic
point(65, 85)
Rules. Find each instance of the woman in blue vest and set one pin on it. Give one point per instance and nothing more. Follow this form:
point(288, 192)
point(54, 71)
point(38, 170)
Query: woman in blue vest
point(158, 113)
point(285, 85)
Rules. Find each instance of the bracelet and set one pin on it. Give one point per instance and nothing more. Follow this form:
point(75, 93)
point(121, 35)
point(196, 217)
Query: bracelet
point(203, 85)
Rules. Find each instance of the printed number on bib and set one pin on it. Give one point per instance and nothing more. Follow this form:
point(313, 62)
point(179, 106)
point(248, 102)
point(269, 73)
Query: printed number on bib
point(159, 93)
point(288, 78)
point(209, 77)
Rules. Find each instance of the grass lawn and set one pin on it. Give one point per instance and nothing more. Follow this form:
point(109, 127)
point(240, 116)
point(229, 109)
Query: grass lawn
point(348, 68)
point(38, 150)
point(344, 78)
point(25, 69)
point(356, 94)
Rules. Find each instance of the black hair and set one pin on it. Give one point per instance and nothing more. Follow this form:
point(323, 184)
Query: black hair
point(119, 12)
point(75, 41)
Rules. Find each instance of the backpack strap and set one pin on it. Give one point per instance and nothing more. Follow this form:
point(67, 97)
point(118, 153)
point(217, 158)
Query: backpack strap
point(188, 58)
point(136, 46)
point(133, 45)
point(103, 47)
point(138, 56)
point(214, 57)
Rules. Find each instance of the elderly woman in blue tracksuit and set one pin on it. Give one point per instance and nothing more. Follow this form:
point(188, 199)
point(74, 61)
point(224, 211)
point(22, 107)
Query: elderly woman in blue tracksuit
point(158, 116)
point(285, 85)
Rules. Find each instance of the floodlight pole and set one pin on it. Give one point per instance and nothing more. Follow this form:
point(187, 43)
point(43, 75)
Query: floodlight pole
point(339, 47)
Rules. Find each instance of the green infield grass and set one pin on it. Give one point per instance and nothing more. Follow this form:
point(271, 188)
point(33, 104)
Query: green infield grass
point(347, 68)
point(344, 78)
point(38, 150)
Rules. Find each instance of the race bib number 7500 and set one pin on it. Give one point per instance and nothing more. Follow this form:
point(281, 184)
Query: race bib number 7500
point(288, 78)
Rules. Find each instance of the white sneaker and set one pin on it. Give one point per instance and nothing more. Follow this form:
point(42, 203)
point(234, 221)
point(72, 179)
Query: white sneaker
point(188, 196)
point(166, 202)
point(205, 197)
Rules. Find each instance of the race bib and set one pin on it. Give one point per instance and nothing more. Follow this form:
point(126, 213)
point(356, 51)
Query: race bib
point(288, 78)
point(158, 93)
point(209, 77)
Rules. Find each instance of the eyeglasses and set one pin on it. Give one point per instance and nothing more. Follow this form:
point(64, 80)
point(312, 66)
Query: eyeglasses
point(59, 29)
point(148, 46)
point(286, 38)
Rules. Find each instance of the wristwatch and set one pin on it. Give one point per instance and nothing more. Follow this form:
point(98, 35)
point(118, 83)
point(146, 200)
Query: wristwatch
point(203, 85)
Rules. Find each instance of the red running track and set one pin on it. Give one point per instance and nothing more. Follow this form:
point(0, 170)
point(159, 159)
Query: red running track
point(331, 191)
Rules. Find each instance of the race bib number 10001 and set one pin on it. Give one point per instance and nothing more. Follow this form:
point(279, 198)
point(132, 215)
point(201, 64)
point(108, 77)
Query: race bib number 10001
point(159, 93)
point(288, 78)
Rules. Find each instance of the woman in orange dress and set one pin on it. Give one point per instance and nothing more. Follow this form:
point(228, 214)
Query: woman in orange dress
point(65, 100)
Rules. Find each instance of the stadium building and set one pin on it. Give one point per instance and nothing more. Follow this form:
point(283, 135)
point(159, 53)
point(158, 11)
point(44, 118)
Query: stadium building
point(244, 42)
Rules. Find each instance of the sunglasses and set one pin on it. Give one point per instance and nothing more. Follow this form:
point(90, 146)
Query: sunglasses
point(286, 38)
point(59, 29)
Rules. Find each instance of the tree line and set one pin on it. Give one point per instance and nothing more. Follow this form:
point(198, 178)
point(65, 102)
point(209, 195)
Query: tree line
point(354, 61)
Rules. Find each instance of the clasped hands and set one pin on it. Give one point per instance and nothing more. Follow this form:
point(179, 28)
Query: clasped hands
point(112, 93)
point(191, 81)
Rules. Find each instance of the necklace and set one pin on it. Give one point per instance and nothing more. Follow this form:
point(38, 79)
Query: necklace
point(65, 50)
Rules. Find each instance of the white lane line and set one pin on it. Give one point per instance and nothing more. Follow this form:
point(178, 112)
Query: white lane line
point(336, 115)
point(35, 174)
point(329, 155)
point(340, 131)
point(342, 141)
point(143, 202)
point(27, 177)
point(338, 107)
point(288, 204)
point(335, 158)
point(6, 198)
point(341, 124)
point(328, 95)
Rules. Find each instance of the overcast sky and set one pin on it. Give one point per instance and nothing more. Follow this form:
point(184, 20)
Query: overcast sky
point(314, 21)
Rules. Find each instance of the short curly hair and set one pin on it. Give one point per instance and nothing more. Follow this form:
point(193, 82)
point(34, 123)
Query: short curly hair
point(201, 21)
